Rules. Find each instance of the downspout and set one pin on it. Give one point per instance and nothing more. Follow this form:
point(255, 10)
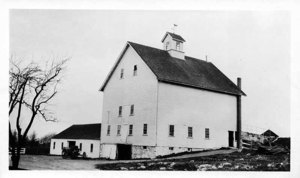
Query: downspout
point(156, 113)
point(239, 115)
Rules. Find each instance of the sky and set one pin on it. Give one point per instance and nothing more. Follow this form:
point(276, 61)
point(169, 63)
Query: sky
point(253, 45)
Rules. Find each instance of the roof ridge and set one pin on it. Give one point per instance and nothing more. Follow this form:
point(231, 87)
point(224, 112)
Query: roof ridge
point(165, 50)
point(87, 124)
point(145, 45)
point(196, 59)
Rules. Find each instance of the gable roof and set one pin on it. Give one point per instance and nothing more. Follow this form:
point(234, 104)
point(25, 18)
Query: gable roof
point(174, 36)
point(85, 131)
point(190, 72)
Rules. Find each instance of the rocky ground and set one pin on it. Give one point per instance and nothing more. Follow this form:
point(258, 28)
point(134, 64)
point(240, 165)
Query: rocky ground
point(236, 161)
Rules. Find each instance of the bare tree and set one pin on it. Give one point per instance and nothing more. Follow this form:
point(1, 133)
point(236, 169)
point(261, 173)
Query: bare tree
point(33, 87)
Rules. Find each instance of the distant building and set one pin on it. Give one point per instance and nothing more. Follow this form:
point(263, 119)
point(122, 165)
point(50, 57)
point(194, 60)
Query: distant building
point(86, 137)
point(160, 101)
point(270, 133)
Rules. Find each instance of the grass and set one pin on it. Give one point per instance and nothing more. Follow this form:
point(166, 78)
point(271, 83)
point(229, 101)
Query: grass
point(237, 161)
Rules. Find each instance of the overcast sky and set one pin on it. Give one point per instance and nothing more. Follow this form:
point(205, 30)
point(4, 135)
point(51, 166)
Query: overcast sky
point(253, 45)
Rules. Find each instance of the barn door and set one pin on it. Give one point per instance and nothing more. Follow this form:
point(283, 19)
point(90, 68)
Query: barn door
point(230, 138)
point(123, 152)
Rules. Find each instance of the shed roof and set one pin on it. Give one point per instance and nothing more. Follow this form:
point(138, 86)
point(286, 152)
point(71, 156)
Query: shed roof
point(84, 131)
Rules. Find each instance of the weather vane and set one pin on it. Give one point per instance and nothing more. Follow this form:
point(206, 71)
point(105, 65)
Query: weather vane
point(174, 27)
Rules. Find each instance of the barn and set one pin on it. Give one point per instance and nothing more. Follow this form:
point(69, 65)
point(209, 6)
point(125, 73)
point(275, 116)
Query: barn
point(161, 101)
point(86, 137)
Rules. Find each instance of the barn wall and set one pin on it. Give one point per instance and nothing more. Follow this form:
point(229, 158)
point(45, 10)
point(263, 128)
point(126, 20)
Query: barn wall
point(140, 91)
point(86, 145)
point(200, 109)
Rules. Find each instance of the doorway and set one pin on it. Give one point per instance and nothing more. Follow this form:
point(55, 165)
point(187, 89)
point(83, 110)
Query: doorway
point(230, 138)
point(123, 152)
point(71, 143)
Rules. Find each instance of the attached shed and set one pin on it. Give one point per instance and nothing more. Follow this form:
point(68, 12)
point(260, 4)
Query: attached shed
point(86, 137)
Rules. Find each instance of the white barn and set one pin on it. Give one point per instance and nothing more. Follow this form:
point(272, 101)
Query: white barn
point(86, 137)
point(160, 101)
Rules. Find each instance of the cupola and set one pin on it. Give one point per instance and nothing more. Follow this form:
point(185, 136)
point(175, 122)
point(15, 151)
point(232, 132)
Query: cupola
point(173, 43)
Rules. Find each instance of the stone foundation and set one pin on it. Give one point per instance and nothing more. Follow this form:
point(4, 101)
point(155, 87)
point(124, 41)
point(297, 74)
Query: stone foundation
point(138, 151)
point(143, 152)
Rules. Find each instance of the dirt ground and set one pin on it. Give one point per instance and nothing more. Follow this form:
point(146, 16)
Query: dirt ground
point(41, 162)
point(236, 161)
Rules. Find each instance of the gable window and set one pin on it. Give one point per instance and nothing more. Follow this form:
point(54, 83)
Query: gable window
point(122, 74)
point(132, 110)
point(53, 145)
point(177, 45)
point(190, 132)
point(144, 147)
point(108, 130)
point(120, 111)
point(171, 148)
point(134, 70)
point(80, 146)
point(62, 145)
point(207, 133)
point(130, 129)
point(92, 146)
point(171, 130)
point(119, 130)
point(145, 129)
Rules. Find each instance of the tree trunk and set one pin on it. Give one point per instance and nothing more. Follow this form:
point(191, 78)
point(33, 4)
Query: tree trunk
point(15, 158)
point(15, 161)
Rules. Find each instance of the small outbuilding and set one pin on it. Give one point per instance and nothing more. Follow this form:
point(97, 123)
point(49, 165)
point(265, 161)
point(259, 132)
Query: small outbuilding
point(86, 137)
point(270, 133)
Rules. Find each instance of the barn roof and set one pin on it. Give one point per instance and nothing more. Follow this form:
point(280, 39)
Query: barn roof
point(190, 72)
point(85, 131)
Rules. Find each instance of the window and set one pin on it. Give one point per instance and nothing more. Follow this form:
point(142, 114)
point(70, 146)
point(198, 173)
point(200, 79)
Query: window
point(119, 130)
point(167, 45)
point(207, 133)
point(145, 129)
point(108, 130)
point(134, 70)
point(144, 147)
point(53, 145)
point(62, 145)
point(177, 45)
point(171, 130)
point(92, 148)
point(122, 74)
point(171, 148)
point(130, 129)
point(132, 110)
point(190, 132)
point(80, 146)
point(236, 135)
point(120, 111)
point(189, 149)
